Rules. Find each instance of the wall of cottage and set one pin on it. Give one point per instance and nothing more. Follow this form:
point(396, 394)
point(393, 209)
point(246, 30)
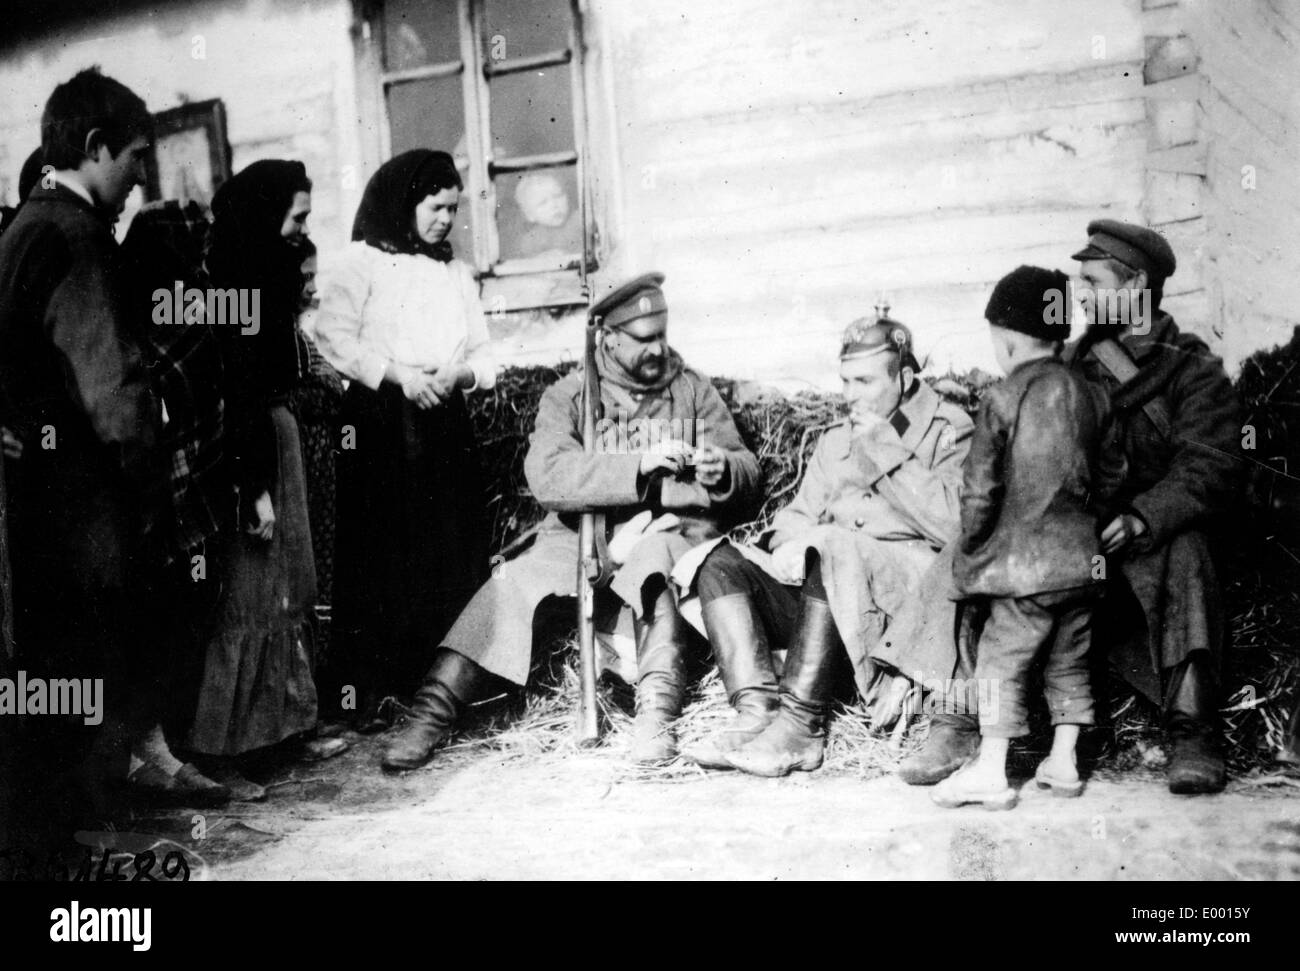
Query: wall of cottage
point(785, 164)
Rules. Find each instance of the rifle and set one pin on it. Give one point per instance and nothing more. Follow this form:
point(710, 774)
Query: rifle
point(589, 565)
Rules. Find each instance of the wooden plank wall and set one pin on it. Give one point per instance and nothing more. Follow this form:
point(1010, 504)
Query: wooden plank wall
point(1248, 55)
point(783, 163)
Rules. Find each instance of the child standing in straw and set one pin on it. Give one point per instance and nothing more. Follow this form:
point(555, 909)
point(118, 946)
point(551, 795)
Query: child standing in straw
point(1037, 474)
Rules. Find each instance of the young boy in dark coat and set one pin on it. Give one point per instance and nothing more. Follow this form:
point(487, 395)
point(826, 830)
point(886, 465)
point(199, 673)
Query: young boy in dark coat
point(1039, 471)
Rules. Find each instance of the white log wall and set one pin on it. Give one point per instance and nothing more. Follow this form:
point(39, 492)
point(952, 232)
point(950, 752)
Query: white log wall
point(786, 162)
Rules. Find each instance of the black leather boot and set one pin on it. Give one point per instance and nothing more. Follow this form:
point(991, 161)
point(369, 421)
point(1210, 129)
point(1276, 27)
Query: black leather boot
point(744, 662)
point(796, 738)
point(661, 681)
point(453, 681)
point(1191, 723)
point(953, 739)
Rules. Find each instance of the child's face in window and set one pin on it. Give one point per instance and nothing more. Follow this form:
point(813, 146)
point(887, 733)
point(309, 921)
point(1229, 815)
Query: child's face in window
point(544, 202)
point(436, 214)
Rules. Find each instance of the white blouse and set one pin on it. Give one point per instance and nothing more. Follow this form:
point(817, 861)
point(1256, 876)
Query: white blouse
point(377, 307)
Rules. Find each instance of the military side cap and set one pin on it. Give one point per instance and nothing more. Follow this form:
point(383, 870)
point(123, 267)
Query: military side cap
point(635, 299)
point(1020, 299)
point(867, 336)
point(1132, 245)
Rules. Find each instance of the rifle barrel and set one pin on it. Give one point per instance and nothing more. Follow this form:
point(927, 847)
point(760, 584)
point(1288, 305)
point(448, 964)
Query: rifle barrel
point(588, 726)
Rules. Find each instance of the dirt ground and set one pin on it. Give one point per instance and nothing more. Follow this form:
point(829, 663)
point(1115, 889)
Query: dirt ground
point(586, 814)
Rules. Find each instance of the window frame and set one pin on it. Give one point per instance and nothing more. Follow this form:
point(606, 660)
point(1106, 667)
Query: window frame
point(521, 282)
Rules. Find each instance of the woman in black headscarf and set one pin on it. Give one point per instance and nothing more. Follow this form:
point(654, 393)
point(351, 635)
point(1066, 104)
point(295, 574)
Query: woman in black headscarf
point(257, 686)
point(401, 319)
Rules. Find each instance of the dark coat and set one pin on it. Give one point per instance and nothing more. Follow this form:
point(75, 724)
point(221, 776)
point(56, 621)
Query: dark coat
point(496, 629)
point(1185, 480)
point(1182, 485)
point(1177, 484)
point(69, 367)
point(1042, 465)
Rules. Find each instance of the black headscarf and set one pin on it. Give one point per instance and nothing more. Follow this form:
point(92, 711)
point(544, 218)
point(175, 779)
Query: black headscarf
point(247, 213)
point(385, 218)
point(246, 251)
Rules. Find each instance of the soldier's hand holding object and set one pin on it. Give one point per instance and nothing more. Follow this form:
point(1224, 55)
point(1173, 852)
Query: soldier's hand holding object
point(1123, 529)
point(788, 562)
point(668, 455)
point(636, 529)
point(710, 465)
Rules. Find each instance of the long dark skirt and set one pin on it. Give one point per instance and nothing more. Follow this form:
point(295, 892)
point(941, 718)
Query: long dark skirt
point(258, 687)
point(412, 541)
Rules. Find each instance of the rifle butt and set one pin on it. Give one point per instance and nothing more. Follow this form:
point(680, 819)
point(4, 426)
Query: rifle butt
point(587, 728)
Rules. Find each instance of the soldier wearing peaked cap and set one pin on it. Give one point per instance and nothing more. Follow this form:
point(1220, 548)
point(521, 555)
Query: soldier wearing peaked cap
point(1179, 424)
point(669, 470)
point(878, 501)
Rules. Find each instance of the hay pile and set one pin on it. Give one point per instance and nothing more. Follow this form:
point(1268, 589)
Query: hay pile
point(781, 431)
point(503, 420)
point(537, 727)
point(1263, 677)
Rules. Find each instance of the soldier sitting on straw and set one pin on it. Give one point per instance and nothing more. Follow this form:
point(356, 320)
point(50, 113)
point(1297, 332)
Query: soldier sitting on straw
point(689, 485)
point(879, 500)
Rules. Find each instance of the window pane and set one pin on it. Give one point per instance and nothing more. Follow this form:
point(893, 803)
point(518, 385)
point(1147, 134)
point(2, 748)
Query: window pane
point(419, 32)
point(531, 112)
point(430, 114)
point(538, 214)
point(517, 28)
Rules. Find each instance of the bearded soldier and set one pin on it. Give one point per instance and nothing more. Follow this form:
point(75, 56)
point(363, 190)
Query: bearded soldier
point(668, 449)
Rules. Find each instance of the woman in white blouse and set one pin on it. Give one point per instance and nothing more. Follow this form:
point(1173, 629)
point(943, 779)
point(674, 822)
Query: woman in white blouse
point(401, 319)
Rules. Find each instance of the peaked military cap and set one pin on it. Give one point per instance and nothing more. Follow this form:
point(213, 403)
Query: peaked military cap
point(641, 297)
point(1131, 244)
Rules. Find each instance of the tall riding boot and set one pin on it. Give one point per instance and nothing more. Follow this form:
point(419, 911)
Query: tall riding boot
point(1191, 723)
point(796, 738)
point(453, 681)
point(744, 661)
point(661, 681)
